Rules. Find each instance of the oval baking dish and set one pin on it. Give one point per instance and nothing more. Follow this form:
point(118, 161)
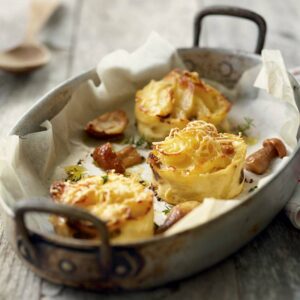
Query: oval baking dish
point(100, 266)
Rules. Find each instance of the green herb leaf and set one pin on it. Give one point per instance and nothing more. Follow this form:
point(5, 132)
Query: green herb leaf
point(128, 140)
point(105, 178)
point(166, 211)
point(252, 189)
point(75, 172)
point(142, 143)
point(139, 142)
point(243, 128)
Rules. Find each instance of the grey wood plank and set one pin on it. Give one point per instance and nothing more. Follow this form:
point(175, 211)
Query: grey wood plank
point(268, 268)
point(17, 94)
point(16, 281)
point(109, 25)
point(283, 22)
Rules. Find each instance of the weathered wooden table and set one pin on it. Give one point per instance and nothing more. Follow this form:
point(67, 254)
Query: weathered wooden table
point(79, 34)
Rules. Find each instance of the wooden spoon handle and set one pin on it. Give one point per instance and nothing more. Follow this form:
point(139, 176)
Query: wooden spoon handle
point(40, 11)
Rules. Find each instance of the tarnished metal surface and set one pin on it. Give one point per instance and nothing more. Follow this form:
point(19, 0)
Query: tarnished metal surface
point(160, 260)
point(220, 65)
point(29, 250)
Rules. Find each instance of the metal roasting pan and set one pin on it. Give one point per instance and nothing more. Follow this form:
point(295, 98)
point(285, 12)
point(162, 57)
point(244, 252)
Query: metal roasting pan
point(153, 262)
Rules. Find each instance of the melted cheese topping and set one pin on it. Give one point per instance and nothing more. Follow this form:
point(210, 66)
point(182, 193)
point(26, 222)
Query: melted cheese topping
point(174, 101)
point(123, 203)
point(198, 162)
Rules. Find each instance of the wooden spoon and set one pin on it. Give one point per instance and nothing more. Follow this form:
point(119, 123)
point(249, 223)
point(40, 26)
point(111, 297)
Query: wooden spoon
point(30, 54)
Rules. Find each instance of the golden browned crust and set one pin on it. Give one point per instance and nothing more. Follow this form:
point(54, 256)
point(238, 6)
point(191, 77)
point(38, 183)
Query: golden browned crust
point(197, 162)
point(172, 102)
point(57, 189)
point(123, 203)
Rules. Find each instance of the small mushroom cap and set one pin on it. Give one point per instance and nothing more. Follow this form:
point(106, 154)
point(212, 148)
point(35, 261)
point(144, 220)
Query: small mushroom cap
point(278, 145)
point(110, 124)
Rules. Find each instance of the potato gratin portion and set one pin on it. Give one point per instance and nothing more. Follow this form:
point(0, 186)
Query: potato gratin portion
point(122, 202)
point(172, 102)
point(198, 162)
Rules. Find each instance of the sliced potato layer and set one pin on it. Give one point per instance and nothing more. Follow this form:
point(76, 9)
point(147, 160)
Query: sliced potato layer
point(122, 202)
point(198, 162)
point(175, 100)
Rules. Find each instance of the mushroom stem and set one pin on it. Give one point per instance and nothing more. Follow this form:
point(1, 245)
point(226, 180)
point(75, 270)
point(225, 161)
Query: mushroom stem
point(259, 161)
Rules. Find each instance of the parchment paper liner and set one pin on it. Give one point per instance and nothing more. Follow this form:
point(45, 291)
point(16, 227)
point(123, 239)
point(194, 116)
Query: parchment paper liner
point(29, 164)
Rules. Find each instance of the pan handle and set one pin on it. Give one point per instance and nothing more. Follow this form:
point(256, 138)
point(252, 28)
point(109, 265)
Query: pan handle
point(234, 12)
point(24, 243)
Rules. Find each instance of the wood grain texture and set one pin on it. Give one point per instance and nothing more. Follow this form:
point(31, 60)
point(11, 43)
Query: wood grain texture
point(17, 94)
point(16, 281)
point(106, 26)
point(282, 17)
point(268, 268)
point(79, 34)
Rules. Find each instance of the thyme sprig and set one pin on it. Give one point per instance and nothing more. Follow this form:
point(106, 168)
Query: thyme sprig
point(252, 189)
point(139, 142)
point(166, 211)
point(244, 127)
point(105, 178)
point(75, 172)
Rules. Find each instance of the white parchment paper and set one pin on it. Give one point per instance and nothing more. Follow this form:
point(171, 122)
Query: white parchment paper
point(29, 164)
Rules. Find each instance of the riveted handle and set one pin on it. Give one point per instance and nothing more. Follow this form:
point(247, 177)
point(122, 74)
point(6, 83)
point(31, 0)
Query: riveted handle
point(233, 12)
point(25, 245)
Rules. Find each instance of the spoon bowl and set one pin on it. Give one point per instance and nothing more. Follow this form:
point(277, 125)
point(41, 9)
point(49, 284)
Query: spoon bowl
point(31, 54)
point(24, 58)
